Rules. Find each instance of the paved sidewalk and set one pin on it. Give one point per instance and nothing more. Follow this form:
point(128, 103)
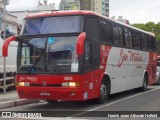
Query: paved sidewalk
point(8, 96)
point(11, 99)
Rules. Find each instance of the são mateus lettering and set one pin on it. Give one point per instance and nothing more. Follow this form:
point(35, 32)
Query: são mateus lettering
point(129, 56)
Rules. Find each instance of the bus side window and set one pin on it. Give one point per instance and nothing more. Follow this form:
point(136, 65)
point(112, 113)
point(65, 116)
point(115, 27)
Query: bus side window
point(150, 43)
point(154, 44)
point(96, 55)
point(137, 40)
point(91, 28)
point(106, 31)
point(88, 54)
point(144, 41)
point(118, 35)
point(128, 38)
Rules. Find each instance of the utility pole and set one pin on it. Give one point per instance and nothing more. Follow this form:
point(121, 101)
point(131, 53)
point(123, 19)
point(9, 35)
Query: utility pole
point(4, 29)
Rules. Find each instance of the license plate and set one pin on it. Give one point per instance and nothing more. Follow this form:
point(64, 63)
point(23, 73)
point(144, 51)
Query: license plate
point(45, 94)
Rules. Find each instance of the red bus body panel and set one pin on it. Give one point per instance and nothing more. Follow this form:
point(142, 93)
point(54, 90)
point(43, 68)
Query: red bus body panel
point(57, 92)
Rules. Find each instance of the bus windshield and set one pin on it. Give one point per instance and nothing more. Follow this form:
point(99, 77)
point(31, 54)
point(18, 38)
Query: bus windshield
point(48, 54)
point(52, 25)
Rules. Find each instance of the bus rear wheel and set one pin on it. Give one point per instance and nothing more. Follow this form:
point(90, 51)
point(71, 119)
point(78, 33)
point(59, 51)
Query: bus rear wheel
point(103, 97)
point(144, 87)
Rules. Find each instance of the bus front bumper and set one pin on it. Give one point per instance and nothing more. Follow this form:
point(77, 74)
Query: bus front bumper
point(52, 93)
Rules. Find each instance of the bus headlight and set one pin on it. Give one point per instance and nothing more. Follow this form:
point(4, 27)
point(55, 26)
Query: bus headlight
point(22, 84)
point(74, 84)
point(70, 84)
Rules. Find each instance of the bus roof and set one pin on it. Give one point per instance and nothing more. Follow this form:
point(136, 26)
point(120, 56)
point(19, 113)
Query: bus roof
point(82, 12)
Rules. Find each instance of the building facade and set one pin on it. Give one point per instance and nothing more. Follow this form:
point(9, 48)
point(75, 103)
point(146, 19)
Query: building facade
point(11, 29)
point(69, 5)
point(99, 6)
point(105, 7)
point(11, 21)
point(39, 9)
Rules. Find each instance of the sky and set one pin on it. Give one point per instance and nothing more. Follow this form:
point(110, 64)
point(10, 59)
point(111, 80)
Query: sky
point(136, 11)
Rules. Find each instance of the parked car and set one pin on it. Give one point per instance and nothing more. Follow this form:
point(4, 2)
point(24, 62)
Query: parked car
point(158, 75)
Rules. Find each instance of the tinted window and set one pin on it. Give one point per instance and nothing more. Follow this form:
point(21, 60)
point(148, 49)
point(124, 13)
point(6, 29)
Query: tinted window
point(91, 27)
point(136, 39)
point(128, 37)
point(96, 56)
point(106, 31)
point(144, 42)
point(150, 43)
point(118, 35)
point(154, 43)
point(88, 54)
point(46, 25)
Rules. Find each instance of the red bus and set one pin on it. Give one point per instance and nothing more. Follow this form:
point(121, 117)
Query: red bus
point(81, 55)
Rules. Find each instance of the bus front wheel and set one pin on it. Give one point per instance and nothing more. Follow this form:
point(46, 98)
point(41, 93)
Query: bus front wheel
point(103, 97)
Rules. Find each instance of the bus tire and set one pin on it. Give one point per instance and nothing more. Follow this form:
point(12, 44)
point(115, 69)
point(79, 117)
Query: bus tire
point(158, 83)
point(145, 82)
point(104, 88)
point(52, 102)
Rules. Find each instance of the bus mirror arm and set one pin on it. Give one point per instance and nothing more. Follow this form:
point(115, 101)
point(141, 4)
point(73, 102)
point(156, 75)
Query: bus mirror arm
point(80, 43)
point(6, 44)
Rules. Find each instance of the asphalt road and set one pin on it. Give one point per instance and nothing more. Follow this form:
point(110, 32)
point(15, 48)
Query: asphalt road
point(126, 102)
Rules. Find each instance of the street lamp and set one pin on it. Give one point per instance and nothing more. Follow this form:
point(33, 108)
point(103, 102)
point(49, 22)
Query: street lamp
point(5, 2)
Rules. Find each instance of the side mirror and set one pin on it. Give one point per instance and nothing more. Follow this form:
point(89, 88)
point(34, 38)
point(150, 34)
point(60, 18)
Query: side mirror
point(6, 44)
point(80, 44)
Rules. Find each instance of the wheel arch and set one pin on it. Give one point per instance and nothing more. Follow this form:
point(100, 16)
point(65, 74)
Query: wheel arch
point(105, 76)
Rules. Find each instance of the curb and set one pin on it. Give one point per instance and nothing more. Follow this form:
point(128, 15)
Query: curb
point(16, 103)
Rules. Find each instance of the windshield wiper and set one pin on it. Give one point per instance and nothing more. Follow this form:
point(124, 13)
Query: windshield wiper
point(33, 67)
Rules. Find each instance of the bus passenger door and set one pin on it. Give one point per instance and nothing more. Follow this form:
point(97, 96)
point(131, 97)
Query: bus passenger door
point(92, 54)
point(88, 69)
point(96, 64)
point(92, 62)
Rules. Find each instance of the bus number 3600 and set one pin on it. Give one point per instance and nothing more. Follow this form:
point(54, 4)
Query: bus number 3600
point(68, 78)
